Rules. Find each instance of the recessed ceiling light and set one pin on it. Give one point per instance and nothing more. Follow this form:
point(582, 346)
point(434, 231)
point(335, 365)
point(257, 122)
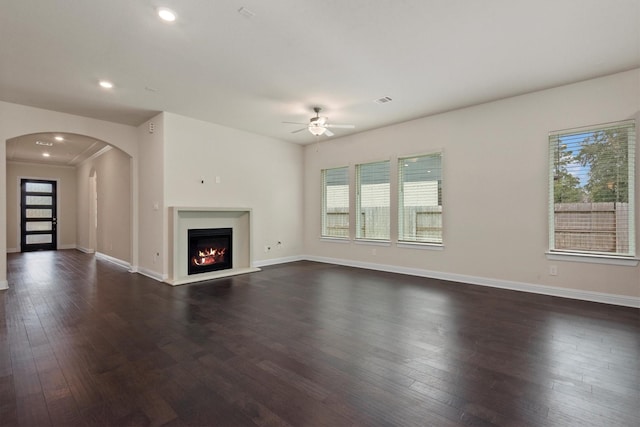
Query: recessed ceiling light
point(106, 84)
point(58, 138)
point(166, 14)
point(46, 154)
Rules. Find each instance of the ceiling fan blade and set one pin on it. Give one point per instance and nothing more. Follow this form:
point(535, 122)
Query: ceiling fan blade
point(295, 123)
point(299, 130)
point(330, 125)
point(328, 132)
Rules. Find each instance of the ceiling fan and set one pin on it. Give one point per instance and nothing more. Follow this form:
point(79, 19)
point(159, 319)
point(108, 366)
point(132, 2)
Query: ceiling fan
point(319, 125)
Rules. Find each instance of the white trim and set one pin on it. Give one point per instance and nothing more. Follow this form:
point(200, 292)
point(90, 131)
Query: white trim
point(275, 261)
point(19, 162)
point(211, 275)
point(98, 153)
point(113, 260)
point(593, 128)
point(421, 245)
point(152, 274)
point(13, 250)
point(133, 269)
point(593, 259)
point(4, 285)
point(372, 242)
point(67, 246)
point(85, 250)
point(623, 300)
point(335, 239)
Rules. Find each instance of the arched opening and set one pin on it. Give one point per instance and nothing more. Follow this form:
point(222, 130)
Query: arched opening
point(96, 213)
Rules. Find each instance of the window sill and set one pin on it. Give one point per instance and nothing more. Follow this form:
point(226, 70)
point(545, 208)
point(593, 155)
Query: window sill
point(592, 258)
point(335, 239)
point(421, 245)
point(372, 242)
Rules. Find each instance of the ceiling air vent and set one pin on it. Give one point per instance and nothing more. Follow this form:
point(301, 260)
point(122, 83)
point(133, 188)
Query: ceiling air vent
point(246, 12)
point(383, 100)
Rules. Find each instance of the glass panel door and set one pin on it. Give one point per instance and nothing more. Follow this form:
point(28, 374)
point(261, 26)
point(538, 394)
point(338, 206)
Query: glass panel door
point(38, 215)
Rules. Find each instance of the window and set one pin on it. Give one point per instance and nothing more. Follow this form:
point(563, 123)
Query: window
point(420, 199)
point(591, 186)
point(335, 202)
point(372, 201)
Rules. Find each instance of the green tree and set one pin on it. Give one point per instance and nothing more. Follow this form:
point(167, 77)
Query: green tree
point(607, 156)
point(566, 187)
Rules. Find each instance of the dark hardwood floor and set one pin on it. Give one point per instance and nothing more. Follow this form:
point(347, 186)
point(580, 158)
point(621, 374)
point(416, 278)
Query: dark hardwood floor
point(84, 342)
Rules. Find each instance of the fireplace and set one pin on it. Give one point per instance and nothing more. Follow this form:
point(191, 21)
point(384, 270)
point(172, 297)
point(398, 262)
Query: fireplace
point(209, 250)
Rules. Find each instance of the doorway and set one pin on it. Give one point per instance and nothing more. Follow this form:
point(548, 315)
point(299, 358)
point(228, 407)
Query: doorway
point(38, 220)
point(93, 211)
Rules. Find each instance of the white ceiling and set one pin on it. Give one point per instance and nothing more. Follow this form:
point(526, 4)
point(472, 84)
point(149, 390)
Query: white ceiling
point(253, 73)
point(70, 151)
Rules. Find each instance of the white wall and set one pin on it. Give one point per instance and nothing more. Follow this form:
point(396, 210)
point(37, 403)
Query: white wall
point(151, 213)
point(65, 176)
point(254, 172)
point(113, 234)
point(495, 182)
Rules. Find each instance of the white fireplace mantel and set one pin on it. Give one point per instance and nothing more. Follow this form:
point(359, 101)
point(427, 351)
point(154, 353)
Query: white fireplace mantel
point(181, 219)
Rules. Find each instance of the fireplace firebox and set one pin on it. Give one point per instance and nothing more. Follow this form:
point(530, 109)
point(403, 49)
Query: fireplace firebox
point(210, 249)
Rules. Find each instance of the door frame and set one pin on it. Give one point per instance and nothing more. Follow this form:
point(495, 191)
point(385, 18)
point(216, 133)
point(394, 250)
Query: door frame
point(19, 207)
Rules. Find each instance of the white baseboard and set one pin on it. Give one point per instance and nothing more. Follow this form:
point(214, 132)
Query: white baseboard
point(152, 274)
point(111, 259)
point(69, 246)
point(4, 285)
point(274, 261)
point(13, 250)
point(622, 300)
point(85, 250)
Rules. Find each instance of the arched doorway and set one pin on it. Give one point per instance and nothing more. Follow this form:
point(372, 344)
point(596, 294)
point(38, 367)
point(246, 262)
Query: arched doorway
point(23, 120)
point(96, 213)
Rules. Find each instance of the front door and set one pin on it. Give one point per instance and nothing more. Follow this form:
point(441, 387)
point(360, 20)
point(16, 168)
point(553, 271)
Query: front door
point(38, 215)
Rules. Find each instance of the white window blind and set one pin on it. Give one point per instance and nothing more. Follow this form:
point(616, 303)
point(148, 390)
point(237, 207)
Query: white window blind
point(591, 189)
point(372, 201)
point(335, 202)
point(420, 199)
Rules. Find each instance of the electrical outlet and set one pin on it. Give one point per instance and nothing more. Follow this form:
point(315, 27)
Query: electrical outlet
point(553, 270)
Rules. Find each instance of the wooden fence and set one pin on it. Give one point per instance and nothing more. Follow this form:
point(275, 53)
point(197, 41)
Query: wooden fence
point(424, 224)
point(602, 227)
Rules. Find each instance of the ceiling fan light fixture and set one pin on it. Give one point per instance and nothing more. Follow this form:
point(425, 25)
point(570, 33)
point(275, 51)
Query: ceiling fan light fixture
point(317, 130)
